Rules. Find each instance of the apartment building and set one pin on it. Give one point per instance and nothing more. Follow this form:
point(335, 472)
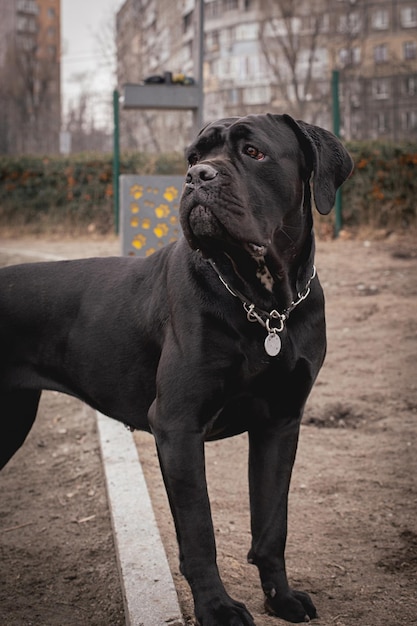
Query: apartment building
point(30, 95)
point(279, 55)
point(376, 51)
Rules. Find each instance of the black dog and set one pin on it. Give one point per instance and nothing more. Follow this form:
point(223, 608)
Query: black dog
point(219, 333)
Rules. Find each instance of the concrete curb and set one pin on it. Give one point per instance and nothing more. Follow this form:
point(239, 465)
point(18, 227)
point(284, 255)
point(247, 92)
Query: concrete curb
point(148, 589)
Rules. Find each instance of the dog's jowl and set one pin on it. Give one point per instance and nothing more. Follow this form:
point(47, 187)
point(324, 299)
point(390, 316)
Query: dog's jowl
point(220, 333)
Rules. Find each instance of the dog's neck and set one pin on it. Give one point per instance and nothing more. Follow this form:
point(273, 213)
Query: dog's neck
point(273, 277)
point(261, 288)
point(273, 321)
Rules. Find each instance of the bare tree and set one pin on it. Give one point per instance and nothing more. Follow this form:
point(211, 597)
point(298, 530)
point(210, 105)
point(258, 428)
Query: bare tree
point(105, 38)
point(30, 98)
point(80, 121)
point(351, 38)
point(289, 35)
point(88, 114)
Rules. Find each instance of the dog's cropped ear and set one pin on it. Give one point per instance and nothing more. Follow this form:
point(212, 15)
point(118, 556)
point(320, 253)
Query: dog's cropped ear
point(331, 162)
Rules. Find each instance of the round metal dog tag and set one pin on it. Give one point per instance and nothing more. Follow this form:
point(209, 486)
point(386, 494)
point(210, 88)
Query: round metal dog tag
point(272, 344)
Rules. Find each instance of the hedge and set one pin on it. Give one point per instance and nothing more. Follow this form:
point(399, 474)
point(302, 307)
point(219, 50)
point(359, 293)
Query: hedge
point(73, 194)
point(382, 192)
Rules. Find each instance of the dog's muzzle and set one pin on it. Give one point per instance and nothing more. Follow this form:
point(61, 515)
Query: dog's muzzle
point(199, 174)
point(201, 219)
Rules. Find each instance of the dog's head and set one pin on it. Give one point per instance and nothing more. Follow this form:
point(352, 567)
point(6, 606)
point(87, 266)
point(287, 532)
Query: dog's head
point(248, 178)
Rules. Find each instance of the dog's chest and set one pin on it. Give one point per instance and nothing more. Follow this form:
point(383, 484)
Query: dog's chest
point(255, 359)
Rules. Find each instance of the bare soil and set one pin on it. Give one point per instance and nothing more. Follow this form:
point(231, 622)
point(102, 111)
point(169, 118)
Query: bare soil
point(353, 505)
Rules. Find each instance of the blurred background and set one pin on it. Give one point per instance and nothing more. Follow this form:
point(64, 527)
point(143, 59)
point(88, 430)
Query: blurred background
point(347, 65)
point(61, 59)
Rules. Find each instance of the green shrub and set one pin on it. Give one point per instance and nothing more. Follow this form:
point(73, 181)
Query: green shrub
point(73, 194)
point(382, 191)
point(68, 193)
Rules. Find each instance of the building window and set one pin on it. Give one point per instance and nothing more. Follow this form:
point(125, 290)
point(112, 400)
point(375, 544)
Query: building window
point(410, 86)
point(231, 5)
point(350, 56)
point(380, 88)
point(381, 53)
point(356, 125)
point(233, 96)
point(410, 50)
point(26, 24)
point(246, 32)
point(315, 23)
point(380, 19)
point(27, 6)
point(409, 120)
point(409, 17)
point(187, 20)
point(351, 91)
point(226, 37)
point(257, 95)
point(212, 41)
point(349, 24)
point(213, 9)
point(381, 122)
point(51, 13)
point(27, 43)
point(324, 23)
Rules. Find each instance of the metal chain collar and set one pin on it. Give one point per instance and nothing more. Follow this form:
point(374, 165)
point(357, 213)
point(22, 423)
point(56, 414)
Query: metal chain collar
point(254, 314)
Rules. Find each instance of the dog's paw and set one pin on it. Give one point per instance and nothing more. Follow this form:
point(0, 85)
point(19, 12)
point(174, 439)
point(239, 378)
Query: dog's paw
point(225, 613)
point(295, 606)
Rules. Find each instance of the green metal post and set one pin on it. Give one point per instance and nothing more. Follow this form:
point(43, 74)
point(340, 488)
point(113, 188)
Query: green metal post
point(116, 160)
point(336, 130)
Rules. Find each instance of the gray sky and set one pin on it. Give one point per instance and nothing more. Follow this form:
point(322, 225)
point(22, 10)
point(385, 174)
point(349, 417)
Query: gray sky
point(82, 21)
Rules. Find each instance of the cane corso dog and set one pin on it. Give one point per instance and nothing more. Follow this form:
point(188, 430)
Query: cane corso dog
point(219, 333)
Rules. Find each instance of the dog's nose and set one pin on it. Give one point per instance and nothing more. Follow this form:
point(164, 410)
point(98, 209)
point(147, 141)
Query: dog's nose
point(198, 174)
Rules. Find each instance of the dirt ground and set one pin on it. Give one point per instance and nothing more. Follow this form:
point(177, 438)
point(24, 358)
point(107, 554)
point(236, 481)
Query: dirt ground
point(352, 523)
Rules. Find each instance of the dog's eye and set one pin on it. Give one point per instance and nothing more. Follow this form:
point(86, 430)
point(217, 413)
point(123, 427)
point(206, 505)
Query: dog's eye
point(254, 153)
point(192, 159)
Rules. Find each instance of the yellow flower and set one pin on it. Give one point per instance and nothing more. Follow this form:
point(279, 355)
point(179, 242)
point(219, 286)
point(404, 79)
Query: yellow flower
point(146, 223)
point(134, 222)
point(134, 207)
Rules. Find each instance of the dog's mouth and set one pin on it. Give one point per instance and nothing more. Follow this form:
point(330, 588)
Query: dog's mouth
point(204, 224)
point(208, 232)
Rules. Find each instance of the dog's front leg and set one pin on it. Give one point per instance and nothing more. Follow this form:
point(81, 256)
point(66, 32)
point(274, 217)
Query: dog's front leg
point(181, 455)
point(271, 458)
